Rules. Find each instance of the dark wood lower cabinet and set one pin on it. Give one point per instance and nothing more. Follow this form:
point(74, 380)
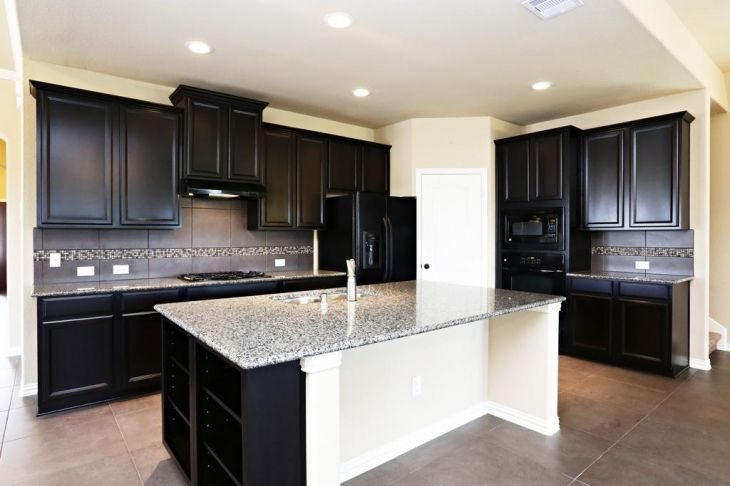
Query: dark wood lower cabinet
point(228, 426)
point(642, 326)
point(93, 348)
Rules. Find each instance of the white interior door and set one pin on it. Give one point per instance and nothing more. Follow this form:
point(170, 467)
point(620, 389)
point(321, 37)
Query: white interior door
point(452, 209)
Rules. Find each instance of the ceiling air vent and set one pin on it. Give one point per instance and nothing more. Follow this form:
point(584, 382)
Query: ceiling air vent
point(550, 8)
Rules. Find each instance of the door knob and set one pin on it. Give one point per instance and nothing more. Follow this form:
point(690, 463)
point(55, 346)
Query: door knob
point(426, 266)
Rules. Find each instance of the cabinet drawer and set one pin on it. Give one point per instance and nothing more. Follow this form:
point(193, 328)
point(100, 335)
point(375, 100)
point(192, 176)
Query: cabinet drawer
point(644, 290)
point(61, 308)
point(225, 291)
point(590, 285)
point(145, 301)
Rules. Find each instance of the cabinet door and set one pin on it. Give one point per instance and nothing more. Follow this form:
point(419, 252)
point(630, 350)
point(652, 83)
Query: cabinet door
point(244, 145)
point(643, 333)
point(149, 157)
point(547, 168)
point(514, 163)
point(589, 332)
point(376, 169)
point(276, 209)
point(75, 160)
point(654, 173)
point(206, 155)
point(603, 179)
point(141, 351)
point(311, 166)
point(343, 166)
point(76, 359)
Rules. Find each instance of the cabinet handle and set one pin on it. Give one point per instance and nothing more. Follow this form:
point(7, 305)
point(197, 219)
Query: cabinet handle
point(426, 266)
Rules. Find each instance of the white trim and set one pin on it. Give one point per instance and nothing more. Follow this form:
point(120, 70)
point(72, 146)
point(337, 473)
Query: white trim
point(321, 362)
point(542, 426)
point(700, 364)
point(13, 352)
point(381, 455)
point(8, 75)
point(28, 390)
point(483, 174)
point(723, 344)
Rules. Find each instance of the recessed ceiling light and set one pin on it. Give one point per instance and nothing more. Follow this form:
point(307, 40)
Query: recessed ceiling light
point(338, 20)
point(541, 85)
point(360, 92)
point(198, 47)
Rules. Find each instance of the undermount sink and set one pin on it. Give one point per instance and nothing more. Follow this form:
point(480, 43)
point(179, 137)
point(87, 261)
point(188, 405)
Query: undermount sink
point(313, 299)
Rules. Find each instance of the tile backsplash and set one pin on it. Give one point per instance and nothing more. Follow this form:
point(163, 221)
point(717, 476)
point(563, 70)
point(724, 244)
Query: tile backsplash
point(668, 252)
point(213, 237)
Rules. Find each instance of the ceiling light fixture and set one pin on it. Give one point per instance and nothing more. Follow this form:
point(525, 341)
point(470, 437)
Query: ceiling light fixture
point(338, 20)
point(541, 85)
point(360, 92)
point(199, 47)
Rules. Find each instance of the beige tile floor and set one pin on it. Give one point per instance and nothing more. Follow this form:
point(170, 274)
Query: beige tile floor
point(618, 427)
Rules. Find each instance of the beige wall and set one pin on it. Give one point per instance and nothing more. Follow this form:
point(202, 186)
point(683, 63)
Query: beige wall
point(719, 222)
point(123, 87)
point(697, 103)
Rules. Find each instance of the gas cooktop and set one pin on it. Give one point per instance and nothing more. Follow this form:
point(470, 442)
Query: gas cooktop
point(202, 277)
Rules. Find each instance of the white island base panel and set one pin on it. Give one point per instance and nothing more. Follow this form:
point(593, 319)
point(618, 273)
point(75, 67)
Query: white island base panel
point(363, 406)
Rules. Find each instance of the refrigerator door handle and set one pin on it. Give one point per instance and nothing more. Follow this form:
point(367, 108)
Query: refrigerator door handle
point(386, 249)
point(390, 249)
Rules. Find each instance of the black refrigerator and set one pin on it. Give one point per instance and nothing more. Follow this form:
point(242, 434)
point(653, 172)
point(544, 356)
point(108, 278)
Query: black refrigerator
point(378, 231)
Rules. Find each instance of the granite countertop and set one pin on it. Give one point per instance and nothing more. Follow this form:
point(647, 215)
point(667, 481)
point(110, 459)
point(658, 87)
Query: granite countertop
point(632, 277)
point(51, 290)
point(259, 331)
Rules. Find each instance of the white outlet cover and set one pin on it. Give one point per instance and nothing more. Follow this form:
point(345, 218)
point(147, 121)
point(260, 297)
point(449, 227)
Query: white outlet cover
point(84, 271)
point(280, 262)
point(120, 269)
point(642, 265)
point(54, 260)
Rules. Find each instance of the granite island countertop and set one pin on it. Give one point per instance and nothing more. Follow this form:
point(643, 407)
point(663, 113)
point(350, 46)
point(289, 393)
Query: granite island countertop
point(632, 277)
point(51, 290)
point(261, 330)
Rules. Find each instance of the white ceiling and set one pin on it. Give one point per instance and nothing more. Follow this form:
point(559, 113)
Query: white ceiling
point(709, 23)
point(420, 58)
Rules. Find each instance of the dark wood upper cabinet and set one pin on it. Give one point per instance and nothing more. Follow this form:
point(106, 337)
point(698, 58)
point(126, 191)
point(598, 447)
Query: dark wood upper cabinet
point(547, 167)
point(223, 135)
point(76, 157)
point(149, 159)
point(276, 208)
point(514, 160)
point(343, 166)
point(311, 167)
point(105, 161)
point(376, 169)
point(636, 174)
point(603, 179)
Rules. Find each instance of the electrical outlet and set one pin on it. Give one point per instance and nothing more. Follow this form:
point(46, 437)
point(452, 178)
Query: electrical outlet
point(84, 271)
point(642, 265)
point(416, 386)
point(280, 262)
point(54, 260)
point(120, 269)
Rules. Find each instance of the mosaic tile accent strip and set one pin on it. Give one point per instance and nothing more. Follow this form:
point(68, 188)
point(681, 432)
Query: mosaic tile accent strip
point(142, 253)
point(643, 252)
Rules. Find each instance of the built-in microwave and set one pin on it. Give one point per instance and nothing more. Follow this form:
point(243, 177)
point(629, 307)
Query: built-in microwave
point(533, 229)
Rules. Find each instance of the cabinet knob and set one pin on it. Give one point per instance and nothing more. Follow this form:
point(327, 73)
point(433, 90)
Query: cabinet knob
point(426, 266)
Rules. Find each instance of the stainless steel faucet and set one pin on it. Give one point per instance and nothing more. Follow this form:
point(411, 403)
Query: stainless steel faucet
point(351, 284)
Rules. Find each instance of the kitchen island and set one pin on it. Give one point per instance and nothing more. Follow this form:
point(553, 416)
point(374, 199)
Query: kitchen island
point(286, 389)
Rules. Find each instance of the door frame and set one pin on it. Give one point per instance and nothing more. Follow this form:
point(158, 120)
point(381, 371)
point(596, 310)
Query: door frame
point(484, 183)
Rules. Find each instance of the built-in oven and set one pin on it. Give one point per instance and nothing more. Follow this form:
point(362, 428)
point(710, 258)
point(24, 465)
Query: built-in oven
point(533, 229)
point(542, 273)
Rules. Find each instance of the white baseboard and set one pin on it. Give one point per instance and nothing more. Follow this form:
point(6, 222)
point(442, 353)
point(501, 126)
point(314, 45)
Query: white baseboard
point(723, 344)
point(381, 455)
point(12, 352)
point(29, 390)
point(700, 364)
point(542, 426)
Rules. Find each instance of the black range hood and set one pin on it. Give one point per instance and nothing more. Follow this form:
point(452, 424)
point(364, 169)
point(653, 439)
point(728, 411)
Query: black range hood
point(208, 188)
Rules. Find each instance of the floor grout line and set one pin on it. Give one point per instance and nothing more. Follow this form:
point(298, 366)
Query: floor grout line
point(126, 446)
